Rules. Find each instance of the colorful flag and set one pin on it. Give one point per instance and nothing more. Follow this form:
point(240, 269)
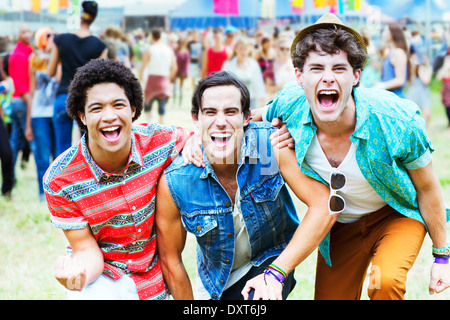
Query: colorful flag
point(268, 9)
point(36, 5)
point(340, 6)
point(230, 7)
point(353, 4)
point(320, 3)
point(53, 6)
point(63, 4)
point(297, 6)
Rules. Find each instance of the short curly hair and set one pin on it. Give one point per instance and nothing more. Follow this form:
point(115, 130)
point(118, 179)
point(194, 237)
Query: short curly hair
point(330, 40)
point(99, 71)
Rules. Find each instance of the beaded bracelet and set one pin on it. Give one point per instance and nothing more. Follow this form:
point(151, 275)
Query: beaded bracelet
point(441, 250)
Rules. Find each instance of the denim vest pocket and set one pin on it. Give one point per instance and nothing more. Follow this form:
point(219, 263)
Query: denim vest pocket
point(266, 196)
point(199, 224)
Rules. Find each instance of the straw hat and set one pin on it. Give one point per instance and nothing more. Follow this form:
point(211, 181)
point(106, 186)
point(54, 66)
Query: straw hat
point(328, 19)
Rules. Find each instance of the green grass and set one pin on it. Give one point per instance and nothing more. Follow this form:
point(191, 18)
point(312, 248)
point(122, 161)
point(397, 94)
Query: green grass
point(29, 245)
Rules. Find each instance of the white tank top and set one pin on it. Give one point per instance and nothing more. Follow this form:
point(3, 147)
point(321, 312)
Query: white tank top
point(161, 57)
point(360, 198)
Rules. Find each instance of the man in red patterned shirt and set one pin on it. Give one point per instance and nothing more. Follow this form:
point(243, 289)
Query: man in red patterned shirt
point(101, 191)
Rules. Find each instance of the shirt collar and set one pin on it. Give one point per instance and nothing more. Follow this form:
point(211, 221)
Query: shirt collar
point(362, 115)
point(98, 173)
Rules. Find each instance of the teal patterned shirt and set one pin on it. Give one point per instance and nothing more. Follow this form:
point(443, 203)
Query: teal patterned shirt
point(389, 135)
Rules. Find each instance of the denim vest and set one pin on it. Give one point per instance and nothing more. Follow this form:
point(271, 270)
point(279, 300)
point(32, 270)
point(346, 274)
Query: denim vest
point(207, 212)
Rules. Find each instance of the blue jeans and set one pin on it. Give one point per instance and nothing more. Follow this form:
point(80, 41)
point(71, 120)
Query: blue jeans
point(18, 126)
point(6, 158)
point(44, 147)
point(63, 125)
point(161, 105)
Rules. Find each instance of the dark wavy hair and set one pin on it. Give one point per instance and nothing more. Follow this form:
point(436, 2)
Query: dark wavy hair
point(102, 71)
point(330, 40)
point(220, 78)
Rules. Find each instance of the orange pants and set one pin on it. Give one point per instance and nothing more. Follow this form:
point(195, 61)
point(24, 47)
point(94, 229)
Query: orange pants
point(386, 238)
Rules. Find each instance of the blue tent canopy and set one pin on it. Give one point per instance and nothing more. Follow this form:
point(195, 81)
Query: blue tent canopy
point(413, 9)
point(200, 14)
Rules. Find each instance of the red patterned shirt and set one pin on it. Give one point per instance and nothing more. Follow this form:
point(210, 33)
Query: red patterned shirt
point(119, 209)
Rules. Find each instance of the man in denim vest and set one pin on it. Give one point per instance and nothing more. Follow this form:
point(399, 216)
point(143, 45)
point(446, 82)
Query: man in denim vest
point(237, 205)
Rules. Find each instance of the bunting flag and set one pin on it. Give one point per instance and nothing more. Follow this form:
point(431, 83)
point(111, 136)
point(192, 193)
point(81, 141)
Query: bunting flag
point(268, 9)
point(53, 6)
point(297, 6)
point(320, 3)
point(227, 7)
point(353, 4)
point(340, 6)
point(36, 5)
point(63, 4)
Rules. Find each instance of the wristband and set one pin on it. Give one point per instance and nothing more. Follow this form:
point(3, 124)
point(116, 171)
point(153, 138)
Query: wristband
point(274, 275)
point(272, 266)
point(441, 260)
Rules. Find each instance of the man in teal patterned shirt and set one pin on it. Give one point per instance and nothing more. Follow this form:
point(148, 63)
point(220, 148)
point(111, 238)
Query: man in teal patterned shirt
point(371, 148)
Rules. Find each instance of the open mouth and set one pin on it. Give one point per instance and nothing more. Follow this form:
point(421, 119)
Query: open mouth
point(220, 139)
point(328, 98)
point(111, 134)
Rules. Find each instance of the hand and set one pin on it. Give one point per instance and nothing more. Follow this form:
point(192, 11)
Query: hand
point(281, 138)
point(29, 133)
point(266, 288)
point(440, 278)
point(70, 272)
point(192, 151)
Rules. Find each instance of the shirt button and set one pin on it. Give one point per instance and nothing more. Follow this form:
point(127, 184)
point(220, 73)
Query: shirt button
point(227, 261)
point(222, 282)
point(230, 235)
point(199, 228)
point(227, 204)
point(130, 261)
point(133, 207)
point(214, 296)
point(139, 230)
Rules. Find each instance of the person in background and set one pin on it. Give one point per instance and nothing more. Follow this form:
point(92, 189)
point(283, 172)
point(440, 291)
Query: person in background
point(6, 155)
point(216, 55)
point(72, 50)
point(283, 70)
point(183, 57)
point(21, 130)
point(443, 75)
point(195, 50)
point(43, 92)
point(421, 74)
point(245, 67)
point(396, 71)
point(265, 56)
point(158, 70)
